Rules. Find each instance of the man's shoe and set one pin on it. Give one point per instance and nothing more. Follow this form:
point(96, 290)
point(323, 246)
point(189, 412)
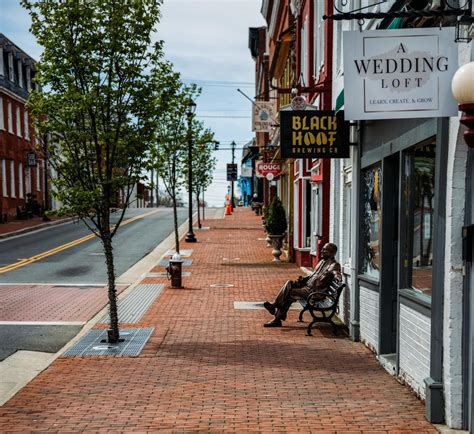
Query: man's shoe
point(273, 323)
point(270, 307)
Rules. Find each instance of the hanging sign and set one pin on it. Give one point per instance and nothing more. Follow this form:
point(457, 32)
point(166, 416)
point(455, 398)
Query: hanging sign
point(396, 74)
point(263, 115)
point(231, 172)
point(246, 171)
point(314, 134)
point(31, 159)
point(264, 169)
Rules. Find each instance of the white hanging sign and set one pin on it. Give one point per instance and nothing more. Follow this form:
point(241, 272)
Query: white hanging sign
point(263, 116)
point(395, 74)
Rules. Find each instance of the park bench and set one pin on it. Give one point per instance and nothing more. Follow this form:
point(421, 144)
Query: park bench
point(23, 213)
point(324, 303)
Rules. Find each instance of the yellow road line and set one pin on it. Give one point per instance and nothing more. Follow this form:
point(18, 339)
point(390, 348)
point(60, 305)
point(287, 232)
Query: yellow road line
point(58, 249)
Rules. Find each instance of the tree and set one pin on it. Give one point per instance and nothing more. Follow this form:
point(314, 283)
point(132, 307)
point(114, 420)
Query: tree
point(168, 154)
point(96, 72)
point(203, 163)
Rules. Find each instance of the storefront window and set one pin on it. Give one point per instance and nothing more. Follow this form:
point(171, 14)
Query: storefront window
point(419, 179)
point(371, 233)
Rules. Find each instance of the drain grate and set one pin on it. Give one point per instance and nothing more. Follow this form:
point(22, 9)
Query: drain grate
point(165, 262)
point(92, 343)
point(164, 274)
point(134, 305)
point(222, 285)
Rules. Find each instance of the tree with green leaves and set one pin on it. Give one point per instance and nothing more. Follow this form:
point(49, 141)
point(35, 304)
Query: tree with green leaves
point(169, 151)
point(203, 163)
point(96, 72)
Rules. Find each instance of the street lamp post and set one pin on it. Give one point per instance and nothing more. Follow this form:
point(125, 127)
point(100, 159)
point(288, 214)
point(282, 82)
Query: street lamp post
point(232, 200)
point(190, 237)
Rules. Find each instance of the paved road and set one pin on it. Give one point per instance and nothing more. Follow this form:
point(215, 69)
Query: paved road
point(67, 259)
point(83, 262)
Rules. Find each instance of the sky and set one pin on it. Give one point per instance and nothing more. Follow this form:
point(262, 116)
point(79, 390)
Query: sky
point(207, 41)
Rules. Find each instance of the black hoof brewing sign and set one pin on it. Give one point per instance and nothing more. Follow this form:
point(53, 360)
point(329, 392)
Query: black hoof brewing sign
point(314, 134)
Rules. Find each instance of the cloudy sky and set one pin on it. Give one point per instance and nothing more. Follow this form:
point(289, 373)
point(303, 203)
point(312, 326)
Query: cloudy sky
point(207, 40)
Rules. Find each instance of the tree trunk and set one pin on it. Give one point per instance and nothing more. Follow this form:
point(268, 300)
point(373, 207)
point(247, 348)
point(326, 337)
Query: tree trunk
point(199, 211)
point(175, 221)
point(113, 334)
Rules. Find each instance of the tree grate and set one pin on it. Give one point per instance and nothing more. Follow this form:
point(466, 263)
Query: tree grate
point(133, 306)
point(94, 343)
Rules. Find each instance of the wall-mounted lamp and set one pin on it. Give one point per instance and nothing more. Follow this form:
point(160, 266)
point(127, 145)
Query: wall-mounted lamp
point(463, 91)
point(464, 28)
point(353, 132)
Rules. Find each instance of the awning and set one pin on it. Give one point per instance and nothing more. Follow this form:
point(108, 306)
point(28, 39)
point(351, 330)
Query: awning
point(339, 101)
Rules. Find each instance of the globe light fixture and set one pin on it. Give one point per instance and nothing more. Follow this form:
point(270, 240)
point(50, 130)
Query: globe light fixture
point(463, 91)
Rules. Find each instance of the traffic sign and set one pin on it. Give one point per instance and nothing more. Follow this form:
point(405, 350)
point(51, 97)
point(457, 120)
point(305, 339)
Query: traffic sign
point(231, 172)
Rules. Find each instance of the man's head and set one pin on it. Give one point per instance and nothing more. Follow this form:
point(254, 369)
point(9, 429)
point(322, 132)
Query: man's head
point(328, 251)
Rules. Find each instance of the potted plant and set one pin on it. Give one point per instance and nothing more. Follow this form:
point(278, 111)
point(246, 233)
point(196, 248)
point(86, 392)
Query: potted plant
point(276, 225)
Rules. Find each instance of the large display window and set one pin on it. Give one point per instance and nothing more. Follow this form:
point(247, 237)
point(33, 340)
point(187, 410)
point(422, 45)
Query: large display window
point(371, 230)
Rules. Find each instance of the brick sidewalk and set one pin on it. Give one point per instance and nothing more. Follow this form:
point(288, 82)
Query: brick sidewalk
point(210, 368)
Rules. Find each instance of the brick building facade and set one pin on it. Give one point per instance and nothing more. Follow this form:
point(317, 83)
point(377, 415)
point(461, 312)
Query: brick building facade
point(21, 172)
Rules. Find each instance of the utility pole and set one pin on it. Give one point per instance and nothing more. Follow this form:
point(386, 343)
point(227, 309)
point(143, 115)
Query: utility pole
point(232, 201)
point(151, 190)
point(157, 190)
point(45, 176)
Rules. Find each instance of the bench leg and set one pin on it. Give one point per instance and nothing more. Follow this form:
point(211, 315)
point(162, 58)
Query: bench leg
point(334, 328)
point(300, 318)
point(308, 330)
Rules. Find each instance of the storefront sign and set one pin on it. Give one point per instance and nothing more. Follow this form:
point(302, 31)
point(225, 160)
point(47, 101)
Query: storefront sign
point(395, 74)
point(231, 172)
point(264, 169)
point(30, 159)
point(314, 134)
point(263, 116)
point(246, 171)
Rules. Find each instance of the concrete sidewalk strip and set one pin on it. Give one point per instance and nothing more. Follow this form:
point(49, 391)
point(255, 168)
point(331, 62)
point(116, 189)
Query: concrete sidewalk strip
point(133, 306)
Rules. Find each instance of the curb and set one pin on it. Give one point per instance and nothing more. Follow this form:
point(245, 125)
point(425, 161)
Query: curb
point(35, 228)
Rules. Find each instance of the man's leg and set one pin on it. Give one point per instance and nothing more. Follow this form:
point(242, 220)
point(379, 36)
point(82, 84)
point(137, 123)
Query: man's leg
point(289, 293)
point(281, 298)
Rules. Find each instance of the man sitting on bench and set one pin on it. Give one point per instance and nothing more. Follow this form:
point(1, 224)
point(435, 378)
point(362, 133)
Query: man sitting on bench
point(327, 271)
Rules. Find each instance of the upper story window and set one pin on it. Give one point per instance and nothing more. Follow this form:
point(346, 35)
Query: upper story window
point(2, 120)
point(20, 72)
point(10, 117)
point(18, 121)
point(26, 126)
point(11, 74)
point(2, 73)
point(304, 53)
point(318, 43)
point(28, 78)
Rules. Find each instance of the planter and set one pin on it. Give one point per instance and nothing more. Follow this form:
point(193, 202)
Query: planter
point(277, 242)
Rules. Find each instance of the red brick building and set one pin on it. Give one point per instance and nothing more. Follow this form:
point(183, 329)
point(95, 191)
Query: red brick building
point(21, 172)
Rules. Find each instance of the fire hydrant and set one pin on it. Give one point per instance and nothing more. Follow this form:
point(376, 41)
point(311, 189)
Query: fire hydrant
point(174, 270)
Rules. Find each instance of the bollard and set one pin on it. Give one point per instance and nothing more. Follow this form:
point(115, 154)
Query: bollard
point(174, 271)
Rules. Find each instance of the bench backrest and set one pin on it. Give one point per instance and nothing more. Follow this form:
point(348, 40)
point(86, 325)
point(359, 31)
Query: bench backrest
point(335, 289)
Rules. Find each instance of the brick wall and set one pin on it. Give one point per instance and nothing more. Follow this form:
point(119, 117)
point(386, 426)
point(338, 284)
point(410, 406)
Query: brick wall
point(414, 335)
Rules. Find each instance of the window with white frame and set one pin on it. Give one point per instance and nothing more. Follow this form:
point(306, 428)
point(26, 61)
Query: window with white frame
point(307, 206)
point(11, 73)
point(304, 53)
point(4, 178)
point(28, 78)
point(38, 175)
point(18, 121)
point(12, 179)
point(316, 215)
point(347, 217)
point(10, 117)
point(28, 180)
point(2, 73)
point(318, 37)
point(20, 73)
point(2, 120)
point(26, 126)
point(20, 181)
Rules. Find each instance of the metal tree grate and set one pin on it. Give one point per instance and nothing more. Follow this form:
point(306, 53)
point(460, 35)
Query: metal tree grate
point(133, 306)
point(95, 343)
